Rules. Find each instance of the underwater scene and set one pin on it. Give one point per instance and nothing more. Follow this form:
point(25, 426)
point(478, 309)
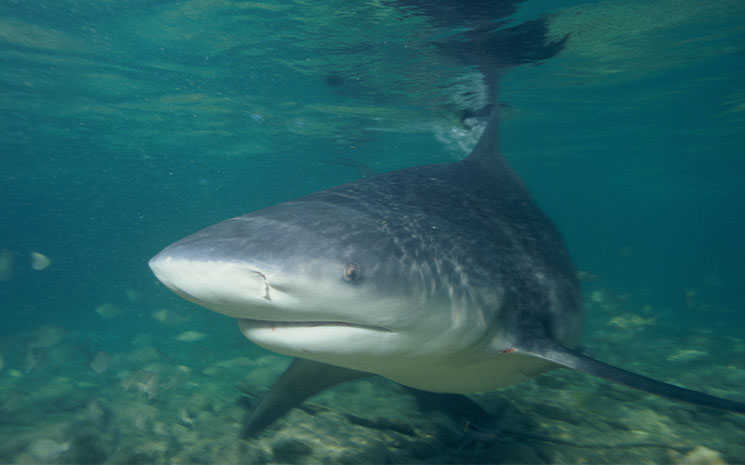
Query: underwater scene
point(128, 125)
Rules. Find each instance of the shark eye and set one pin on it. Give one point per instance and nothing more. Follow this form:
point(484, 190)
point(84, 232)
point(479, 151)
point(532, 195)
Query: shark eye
point(351, 272)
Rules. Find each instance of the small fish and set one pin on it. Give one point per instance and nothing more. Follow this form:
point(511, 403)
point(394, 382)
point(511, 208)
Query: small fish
point(587, 276)
point(30, 361)
point(108, 310)
point(95, 413)
point(47, 449)
point(141, 421)
point(100, 362)
point(687, 355)
point(39, 261)
point(169, 318)
point(144, 382)
point(190, 336)
point(185, 418)
point(149, 386)
point(35, 360)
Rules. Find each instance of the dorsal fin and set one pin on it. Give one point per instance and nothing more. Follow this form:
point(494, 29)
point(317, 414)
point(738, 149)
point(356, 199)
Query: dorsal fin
point(553, 352)
point(494, 51)
point(487, 153)
point(488, 156)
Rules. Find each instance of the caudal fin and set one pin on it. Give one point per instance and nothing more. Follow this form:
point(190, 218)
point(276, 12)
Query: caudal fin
point(560, 355)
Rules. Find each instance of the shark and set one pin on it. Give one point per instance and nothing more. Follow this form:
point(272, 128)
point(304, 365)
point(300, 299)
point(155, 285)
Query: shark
point(445, 278)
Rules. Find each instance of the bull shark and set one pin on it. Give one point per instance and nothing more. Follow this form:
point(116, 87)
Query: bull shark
point(445, 278)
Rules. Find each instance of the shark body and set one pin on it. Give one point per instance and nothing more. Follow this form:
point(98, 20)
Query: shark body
point(445, 278)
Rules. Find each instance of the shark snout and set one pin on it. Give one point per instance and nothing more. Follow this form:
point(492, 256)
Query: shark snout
point(223, 286)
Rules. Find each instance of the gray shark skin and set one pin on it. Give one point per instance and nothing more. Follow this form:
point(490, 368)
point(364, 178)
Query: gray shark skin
point(445, 278)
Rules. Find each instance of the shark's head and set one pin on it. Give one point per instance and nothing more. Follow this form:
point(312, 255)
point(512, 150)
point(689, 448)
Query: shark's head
point(321, 281)
point(281, 265)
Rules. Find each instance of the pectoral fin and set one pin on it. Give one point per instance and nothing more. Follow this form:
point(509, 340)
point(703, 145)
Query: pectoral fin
point(560, 355)
point(303, 379)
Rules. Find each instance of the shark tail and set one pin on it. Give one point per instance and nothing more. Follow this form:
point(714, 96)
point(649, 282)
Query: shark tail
point(553, 352)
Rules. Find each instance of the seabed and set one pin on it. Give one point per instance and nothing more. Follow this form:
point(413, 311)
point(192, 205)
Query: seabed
point(180, 392)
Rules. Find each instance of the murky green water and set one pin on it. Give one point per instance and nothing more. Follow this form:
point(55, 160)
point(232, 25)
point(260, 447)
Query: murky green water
point(126, 125)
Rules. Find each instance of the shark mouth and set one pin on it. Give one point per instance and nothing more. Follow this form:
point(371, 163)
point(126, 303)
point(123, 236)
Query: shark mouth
point(315, 338)
point(245, 324)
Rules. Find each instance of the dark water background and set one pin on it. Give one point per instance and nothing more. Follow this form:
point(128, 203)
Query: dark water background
point(125, 125)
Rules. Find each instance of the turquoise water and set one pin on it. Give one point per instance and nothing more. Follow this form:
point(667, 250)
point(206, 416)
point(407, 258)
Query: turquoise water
point(127, 125)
